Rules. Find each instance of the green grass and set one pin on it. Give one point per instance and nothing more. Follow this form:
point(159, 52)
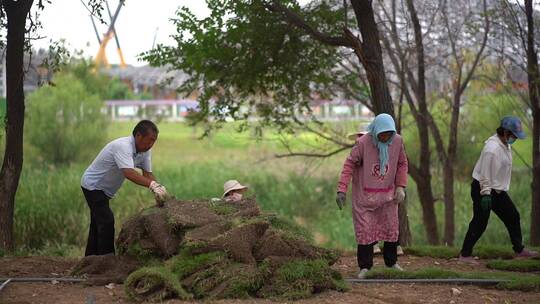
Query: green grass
point(184, 264)
point(515, 281)
point(427, 273)
point(155, 278)
point(222, 209)
point(515, 265)
point(243, 285)
point(522, 284)
point(143, 255)
point(298, 279)
point(442, 252)
point(445, 252)
point(290, 228)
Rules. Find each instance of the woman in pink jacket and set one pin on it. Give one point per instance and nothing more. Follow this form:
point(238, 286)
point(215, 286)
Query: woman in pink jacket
point(378, 167)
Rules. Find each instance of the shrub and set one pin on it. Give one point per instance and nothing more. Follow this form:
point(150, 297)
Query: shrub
point(64, 119)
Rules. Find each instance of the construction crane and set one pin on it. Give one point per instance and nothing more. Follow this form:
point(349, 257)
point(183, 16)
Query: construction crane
point(101, 56)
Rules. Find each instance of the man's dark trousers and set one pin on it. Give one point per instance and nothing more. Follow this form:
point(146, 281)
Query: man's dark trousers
point(101, 234)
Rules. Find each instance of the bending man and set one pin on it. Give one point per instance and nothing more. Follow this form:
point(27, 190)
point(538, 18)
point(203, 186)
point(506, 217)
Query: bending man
point(102, 179)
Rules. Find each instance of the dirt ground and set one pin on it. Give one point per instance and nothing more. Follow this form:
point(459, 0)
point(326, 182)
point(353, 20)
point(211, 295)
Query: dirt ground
point(26, 293)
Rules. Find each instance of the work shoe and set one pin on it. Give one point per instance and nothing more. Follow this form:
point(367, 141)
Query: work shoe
point(526, 253)
point(396, 267)
point(363, 273)
point(399, 250)
point(469, 260)
point(376, 249)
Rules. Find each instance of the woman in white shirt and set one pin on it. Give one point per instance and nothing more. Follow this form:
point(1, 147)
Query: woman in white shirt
point(489, 189)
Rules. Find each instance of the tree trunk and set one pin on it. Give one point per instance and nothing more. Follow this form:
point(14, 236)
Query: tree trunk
point(372, 57)
point(405, 237)
point(534, 95)
point(428, 211)
point(16, 12)
point(449, 204)
point(369, 53)
point(422, 176)
point(448, 176)
point(535, 208)
point(423, 182)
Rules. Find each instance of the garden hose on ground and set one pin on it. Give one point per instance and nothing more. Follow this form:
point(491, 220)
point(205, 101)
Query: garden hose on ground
point(4, 284)
point(6, 281)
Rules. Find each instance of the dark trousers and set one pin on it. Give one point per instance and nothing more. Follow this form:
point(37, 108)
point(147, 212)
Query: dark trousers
point(101, 234)
point(364, 254)
point(503, 207)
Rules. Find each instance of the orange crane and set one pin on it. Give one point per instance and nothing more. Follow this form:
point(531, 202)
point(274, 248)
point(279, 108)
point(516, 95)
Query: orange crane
point(101, 56)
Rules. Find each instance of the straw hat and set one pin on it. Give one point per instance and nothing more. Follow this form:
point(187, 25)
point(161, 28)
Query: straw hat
point(231, 185)
point(353, 136)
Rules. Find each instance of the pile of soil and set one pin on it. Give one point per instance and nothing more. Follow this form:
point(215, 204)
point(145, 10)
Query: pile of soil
point(214, 249)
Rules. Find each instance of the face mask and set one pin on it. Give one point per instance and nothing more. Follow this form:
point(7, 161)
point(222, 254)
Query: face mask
point(235, 197)
point(511, 140)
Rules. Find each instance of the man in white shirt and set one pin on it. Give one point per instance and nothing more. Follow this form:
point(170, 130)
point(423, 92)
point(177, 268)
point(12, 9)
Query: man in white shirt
point(117, 161)
point(489, 189)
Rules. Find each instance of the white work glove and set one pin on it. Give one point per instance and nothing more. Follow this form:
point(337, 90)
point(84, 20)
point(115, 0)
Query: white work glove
point(160, 193)
point(399, 195)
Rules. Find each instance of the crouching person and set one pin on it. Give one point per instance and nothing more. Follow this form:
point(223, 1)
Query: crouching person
point(233, 191)
point(378, 166)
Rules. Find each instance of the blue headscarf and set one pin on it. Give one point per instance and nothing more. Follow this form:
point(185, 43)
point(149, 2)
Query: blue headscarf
point(382, 123)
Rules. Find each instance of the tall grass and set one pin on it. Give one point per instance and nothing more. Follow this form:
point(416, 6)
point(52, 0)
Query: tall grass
point(51, 211)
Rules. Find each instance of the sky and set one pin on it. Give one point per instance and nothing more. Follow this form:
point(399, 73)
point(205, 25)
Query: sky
point(137, 24)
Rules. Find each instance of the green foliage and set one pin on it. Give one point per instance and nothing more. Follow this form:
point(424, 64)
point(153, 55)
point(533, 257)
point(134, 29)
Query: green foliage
point(185, 264)
point(482, 115)
point(188, 247)
point(494, 252)
point(96, 83)
point(515, 265)
point(252, 61)
point(291, 228)
point(427, 273)
point(222, 209)
point(136, 250)
point(58, 249)
point(64, 120)
point(442, 252)
point(153, 278)
point(296, 280)
point(523, 284)
point(150, 210)
point(243, 284)
point(3, 110)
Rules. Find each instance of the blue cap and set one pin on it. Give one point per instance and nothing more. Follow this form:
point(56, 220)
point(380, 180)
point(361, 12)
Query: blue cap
point(513, 124)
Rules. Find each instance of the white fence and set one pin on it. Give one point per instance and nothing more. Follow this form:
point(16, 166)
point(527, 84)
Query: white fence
point(176, 110)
